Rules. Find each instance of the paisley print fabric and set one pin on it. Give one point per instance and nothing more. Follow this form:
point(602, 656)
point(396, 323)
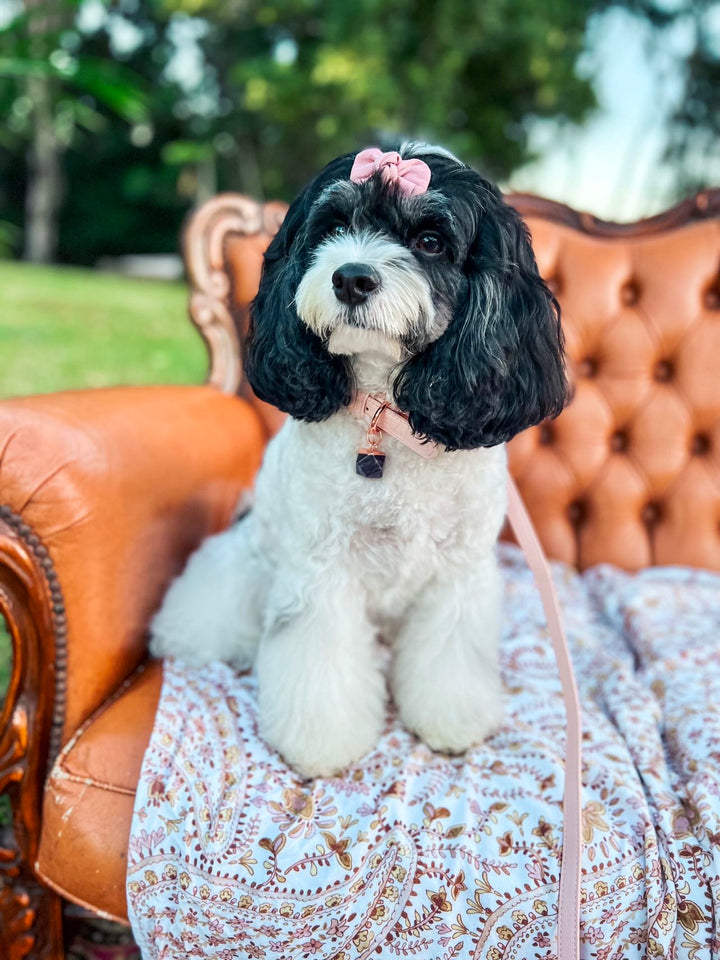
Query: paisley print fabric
point(416, 854)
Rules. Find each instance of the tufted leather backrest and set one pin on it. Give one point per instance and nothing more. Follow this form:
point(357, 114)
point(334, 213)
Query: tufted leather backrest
point(630, 472)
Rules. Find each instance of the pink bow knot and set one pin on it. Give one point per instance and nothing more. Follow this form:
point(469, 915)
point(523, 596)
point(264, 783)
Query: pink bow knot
point(409, 176)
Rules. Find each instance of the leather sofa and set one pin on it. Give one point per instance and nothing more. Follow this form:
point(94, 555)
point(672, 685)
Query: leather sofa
point(104, 493)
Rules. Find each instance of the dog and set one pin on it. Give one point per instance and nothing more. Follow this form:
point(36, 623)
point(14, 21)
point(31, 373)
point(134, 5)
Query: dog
point(402, 324)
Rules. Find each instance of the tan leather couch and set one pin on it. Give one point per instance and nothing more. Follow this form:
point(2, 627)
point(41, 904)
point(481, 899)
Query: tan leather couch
point(104, 493)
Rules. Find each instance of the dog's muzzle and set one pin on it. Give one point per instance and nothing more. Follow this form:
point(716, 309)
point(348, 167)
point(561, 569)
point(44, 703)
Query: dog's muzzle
point(354, 282)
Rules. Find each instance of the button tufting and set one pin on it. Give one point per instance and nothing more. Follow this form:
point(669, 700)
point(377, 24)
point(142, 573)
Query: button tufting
point(588, 367)
point(630, 293)
point(637, 447)
point(619, 441)
point(547, 434)
point(712, 299)
point(663, 371)
point(576, 512)
point(700, 444)
point(554, 285)
point(650, 514)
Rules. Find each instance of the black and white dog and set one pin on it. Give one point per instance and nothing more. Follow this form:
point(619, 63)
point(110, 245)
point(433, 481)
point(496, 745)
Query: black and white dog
point(405, 278)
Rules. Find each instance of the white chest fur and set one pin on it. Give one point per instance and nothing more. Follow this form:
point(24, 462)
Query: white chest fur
point(395, 532)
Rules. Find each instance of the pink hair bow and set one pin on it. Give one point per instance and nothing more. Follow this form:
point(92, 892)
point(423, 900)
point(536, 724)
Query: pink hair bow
point(410, 176)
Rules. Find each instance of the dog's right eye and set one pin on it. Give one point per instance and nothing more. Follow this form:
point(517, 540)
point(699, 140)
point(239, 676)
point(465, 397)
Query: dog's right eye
point(338, 230)
point(430, 243)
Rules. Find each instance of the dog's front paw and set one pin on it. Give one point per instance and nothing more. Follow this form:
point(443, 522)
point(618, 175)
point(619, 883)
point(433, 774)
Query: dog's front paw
point(450, 717)
point(321, 749)
point(321, 686)
point(318, 728)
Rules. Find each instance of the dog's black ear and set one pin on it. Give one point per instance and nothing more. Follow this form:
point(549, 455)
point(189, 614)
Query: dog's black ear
point(499, 366)
point(286, 363)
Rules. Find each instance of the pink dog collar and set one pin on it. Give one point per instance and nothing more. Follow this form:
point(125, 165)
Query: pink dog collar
point(409, 176)
point(382, 417)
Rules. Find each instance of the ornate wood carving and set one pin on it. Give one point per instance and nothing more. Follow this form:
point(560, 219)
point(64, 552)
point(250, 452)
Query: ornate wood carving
point(30, 723)
point(207, 233)
point(204, 244)
point(700, 207)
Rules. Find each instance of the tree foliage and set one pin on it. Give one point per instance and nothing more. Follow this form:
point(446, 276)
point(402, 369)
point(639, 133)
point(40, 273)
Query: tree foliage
point(158, 103)
point(49, 94)
point(304, 81)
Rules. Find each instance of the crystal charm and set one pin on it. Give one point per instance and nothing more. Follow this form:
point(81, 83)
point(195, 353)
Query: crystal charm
point(370, 463)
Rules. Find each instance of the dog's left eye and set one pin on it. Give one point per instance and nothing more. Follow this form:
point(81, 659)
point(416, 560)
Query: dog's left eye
point(430, 243)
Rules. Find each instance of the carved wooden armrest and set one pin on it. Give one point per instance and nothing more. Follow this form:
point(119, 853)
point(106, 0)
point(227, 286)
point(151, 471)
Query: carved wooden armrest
point(31, 602)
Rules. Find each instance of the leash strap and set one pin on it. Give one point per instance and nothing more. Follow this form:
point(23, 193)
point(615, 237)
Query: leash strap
point(568, 936)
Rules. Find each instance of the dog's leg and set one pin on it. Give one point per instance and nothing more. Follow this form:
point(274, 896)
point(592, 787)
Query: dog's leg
point(212, 611)
point(446, 676)
point(321, 688)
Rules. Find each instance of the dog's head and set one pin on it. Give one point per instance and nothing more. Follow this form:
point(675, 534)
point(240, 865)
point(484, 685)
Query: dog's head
point(442, 280)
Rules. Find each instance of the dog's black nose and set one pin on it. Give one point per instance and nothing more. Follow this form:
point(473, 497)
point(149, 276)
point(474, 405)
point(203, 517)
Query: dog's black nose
point(354, 282)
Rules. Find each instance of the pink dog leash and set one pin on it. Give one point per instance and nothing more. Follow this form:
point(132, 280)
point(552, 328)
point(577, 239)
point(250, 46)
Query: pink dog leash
point(569, 893)
point(384, 418)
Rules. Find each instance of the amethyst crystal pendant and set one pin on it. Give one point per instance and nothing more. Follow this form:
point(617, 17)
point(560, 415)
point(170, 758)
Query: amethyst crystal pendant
point(370, 464)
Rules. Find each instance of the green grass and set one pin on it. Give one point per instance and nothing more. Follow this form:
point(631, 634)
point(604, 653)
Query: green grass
point(62, 328)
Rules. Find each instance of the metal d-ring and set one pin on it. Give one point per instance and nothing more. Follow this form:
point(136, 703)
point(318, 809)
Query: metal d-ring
point(374, 433)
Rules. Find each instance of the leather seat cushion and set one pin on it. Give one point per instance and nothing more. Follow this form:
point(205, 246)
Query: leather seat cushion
point(89, 798)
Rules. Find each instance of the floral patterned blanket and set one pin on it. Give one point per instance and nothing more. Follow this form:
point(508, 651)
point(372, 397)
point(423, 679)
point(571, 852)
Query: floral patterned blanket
point(413, 854)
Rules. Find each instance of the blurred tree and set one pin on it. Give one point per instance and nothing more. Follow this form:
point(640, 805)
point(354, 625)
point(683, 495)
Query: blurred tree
point(137, 198)
point(42, 199)
point(694, 128)
point(255, 95)
point(296, 82)
point(37, 73)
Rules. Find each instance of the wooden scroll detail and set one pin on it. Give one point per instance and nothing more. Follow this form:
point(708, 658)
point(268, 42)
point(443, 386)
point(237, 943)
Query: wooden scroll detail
point(31, 602)
point(212, 309)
